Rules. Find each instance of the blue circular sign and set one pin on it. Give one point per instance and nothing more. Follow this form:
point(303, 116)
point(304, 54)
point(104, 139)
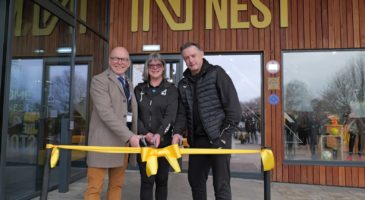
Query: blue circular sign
point(273, 99)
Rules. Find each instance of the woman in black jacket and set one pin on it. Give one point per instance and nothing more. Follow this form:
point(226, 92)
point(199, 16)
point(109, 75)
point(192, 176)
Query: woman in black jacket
point(157, 106)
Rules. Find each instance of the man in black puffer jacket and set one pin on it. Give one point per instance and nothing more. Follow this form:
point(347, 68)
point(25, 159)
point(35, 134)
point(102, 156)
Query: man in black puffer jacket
point(209, 111)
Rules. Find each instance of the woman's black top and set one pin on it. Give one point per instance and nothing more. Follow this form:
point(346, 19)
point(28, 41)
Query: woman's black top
point(157, 108)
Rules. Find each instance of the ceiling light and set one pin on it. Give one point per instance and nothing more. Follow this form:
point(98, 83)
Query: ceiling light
point(64, 50)
point(152, 47)
point(38, 51)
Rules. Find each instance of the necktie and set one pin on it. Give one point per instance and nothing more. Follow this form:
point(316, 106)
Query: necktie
point(125, 87)
point(128, 95)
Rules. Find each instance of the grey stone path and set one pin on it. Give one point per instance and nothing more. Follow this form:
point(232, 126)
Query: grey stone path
point(241, 189)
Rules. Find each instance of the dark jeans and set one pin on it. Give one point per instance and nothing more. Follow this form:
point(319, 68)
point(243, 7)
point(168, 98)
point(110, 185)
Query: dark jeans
point(199, 166)
point(161, 179)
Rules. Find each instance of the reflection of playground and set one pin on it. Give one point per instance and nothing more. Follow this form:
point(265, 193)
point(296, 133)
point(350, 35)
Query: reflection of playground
point(309, 135)
point(302, 152)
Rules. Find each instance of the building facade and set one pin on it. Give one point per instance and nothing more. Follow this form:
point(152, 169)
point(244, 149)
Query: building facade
point(318, 91)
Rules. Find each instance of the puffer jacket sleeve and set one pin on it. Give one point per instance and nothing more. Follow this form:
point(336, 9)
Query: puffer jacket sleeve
point(180, 122)
point(229, 99)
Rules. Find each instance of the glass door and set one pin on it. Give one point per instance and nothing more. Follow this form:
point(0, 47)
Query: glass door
point(39, 107)
point(56, 98)
point(69, 127)
point(245, 71)
point(80, 113)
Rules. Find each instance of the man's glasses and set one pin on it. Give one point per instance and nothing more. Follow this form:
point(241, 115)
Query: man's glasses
point(159, 65)
point(117, 59)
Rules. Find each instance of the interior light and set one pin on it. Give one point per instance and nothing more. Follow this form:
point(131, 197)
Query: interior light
point(64, 50)
point(38, 51)
point(152, 47)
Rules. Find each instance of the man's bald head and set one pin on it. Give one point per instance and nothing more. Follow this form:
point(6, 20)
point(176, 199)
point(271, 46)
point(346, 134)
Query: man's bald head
point(119, 60)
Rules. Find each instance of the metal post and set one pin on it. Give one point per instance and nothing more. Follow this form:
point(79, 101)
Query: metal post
point(46, 170)
point(65, 158)
point(267, 185)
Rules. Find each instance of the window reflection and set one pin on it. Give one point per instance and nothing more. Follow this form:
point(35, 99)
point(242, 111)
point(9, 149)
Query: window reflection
point(80, 104)
point(245, 72)
point(24, 110)
point(34, 109)
point(324, 105)
point(40, 88)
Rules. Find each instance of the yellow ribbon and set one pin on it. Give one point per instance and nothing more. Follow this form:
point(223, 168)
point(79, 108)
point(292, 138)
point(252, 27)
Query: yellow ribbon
point(55, 155)
point(267, 157)
point(150, 155)
point(171, 153)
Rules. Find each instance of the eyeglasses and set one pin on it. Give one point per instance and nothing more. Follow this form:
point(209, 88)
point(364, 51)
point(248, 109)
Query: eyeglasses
point(117, 59)
point(159, 65)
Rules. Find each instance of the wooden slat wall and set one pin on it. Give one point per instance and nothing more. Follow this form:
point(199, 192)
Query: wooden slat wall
point(313, 24)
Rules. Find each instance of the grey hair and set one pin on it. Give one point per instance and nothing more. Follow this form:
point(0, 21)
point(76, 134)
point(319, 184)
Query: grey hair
point(151, 57)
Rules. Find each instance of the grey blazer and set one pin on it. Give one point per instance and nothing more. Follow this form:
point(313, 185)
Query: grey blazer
point(108, 119)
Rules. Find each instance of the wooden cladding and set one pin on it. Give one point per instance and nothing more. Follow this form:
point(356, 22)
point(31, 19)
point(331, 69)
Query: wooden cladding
point(312, 24)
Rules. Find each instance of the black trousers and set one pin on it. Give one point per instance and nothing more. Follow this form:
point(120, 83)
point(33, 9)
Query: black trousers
point(359, 143)
point(199, 167)
point(161, 180)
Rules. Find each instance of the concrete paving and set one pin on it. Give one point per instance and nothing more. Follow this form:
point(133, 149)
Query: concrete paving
point(179, 189)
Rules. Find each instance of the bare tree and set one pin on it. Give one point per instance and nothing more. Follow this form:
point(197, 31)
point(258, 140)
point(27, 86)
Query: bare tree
point(297, 96)
point(80, 89)
point(348, 86)
point(60, 90)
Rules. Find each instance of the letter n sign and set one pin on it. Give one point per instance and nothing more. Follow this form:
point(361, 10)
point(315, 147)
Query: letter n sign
point(176, 8)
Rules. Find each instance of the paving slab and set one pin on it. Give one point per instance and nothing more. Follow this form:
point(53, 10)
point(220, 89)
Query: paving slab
point(249, 189)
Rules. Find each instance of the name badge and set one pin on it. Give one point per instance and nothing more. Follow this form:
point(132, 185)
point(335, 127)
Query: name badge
point(129, 117)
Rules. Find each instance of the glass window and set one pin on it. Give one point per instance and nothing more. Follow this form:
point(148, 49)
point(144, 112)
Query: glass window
point(245, 72)
point(24, 110)
point(49, 90)
point(39, 95)
point(324, 107)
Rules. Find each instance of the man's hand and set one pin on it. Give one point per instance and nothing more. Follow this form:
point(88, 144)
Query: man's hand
point(176, 139)
point(134, 140)
point(149, 138)
point(156, 140)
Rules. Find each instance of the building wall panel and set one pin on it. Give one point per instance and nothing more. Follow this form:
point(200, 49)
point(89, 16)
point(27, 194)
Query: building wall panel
point(312, 24)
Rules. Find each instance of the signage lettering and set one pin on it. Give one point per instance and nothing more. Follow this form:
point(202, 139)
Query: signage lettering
point(43, 22)
point(218, 8)
point(21, 142)
point(176, 7)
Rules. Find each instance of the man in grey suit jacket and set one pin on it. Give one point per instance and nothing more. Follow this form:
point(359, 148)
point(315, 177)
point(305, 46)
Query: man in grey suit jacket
point(113, 123)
